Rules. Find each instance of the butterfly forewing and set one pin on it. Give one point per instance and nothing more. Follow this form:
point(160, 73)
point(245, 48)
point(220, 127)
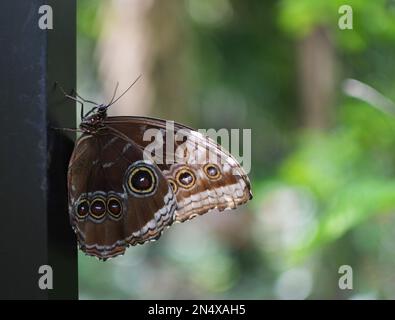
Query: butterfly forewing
point(116, 197)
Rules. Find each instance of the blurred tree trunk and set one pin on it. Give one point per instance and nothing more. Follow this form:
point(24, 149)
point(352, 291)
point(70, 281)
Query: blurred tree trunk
point(144, 37)
point(316, 62)
point(169, 44)
point(123, 54)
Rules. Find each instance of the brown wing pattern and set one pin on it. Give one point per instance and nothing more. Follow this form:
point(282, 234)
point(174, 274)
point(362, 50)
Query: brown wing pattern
point(204, 176)
point(116, 199)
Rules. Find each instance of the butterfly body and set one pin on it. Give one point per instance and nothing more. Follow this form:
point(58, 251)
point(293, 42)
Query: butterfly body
point(91, 124)
point(120, 196)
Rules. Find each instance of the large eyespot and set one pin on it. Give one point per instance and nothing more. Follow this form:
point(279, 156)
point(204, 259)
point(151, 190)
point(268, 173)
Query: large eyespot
point(141, 179)
point(212, 171)
point(98, 208)
point(185, 178)
point(82, 209)
point(173, 185)
point(114, 207)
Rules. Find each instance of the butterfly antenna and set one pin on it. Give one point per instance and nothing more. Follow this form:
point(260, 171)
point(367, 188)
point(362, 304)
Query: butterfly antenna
point(125, 91)
point(113, 96)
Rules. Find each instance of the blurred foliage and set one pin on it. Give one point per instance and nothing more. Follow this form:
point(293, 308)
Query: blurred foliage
point(321, 198)
point(373, 20)
point(350, 171)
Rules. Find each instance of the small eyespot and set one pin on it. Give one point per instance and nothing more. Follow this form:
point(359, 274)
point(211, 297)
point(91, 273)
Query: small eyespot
point(185, 178)
point(82, 209)
point(114, 207)
point(212, 171)
point(98, 208)
point(173, 185)
point(141, 180)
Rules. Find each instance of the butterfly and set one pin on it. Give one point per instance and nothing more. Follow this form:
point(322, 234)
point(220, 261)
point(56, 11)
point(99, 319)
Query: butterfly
point(121, 195)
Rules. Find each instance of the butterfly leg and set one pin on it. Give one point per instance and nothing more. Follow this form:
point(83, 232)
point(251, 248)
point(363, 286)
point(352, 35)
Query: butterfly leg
point(85, 100)
point(74, 99)
point(67, 129)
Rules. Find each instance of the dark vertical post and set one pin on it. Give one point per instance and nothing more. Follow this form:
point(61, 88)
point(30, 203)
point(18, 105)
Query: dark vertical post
point(34, 225)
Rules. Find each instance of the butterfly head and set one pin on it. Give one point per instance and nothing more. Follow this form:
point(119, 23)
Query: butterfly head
point(94, 119)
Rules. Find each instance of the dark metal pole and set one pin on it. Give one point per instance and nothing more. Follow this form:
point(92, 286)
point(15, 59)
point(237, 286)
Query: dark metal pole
point(34, 225)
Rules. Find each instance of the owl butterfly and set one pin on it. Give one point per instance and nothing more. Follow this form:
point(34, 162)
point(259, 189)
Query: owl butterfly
point(120, 194)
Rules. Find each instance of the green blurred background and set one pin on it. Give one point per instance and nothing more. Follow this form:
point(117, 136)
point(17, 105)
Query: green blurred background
point(323, 163)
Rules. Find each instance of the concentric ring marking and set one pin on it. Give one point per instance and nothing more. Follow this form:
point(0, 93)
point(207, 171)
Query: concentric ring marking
point(141, 179)
point(212, 171)
point(98, 207)
point(185, 178)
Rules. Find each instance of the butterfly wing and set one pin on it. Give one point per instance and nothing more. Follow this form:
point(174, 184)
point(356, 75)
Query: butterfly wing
point(116, 198)
point(203, 175)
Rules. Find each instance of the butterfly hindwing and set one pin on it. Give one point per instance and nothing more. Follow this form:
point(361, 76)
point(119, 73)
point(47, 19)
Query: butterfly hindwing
point(203, 175)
